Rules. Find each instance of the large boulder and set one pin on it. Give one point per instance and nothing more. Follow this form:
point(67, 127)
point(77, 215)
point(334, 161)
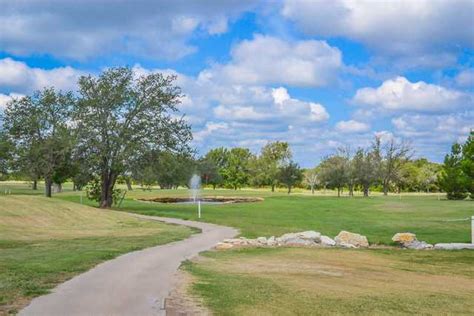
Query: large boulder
point(327, 242)
point(404, 238)
point(347, 238)
point(409, 240)
point(454, 246)
point(307, 238)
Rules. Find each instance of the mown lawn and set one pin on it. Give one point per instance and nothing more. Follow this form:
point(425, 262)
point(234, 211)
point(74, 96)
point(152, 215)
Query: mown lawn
point(379, 217)
point(291, 281)
point(44, 242)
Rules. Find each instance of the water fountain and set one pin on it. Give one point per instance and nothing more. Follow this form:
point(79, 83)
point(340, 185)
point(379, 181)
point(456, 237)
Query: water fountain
point(195, 189)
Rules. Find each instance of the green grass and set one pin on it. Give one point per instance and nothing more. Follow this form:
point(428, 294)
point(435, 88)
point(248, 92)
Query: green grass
point(379, 217)
point(333, 281)
point(44, 242)
point(289, 281)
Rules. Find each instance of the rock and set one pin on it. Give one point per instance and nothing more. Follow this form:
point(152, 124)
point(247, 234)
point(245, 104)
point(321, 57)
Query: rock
point(404, 238)
point(288, 236)
point(223, 246)
point(327, 242)
point(262, 240)
point(419, 245)
point(272, 241)
point(356, 240)
point(299, 242)
point(346, 245)
point(311, 235)
point(453, 246)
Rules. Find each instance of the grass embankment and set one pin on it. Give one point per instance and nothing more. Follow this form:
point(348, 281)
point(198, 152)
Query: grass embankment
point(44, 242)
point(335, 281)
point(379, 218)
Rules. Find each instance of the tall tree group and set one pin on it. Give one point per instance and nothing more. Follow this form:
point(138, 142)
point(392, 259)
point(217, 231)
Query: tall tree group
point(96, 131)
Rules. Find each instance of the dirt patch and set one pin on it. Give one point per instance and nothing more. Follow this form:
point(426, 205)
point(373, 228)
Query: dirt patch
point(180, 302)
point(215, 199)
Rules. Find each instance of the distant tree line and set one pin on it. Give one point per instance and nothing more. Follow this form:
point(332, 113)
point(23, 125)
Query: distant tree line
point(119, 127)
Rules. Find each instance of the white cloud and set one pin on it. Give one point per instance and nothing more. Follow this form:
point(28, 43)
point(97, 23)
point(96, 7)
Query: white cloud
point(400, 94)
point(78, 30)
point(352, 126)
point(466, 78)
point(5, 98)
point(300, 111)
point(420, 30)
point(270, 60)
point(19, 77)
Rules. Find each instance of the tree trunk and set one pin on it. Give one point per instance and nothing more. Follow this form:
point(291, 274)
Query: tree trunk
point(289, 189)
point(129, 184)
point(366, 190)
point(273, 188)
point(235, 187)
point(385, 188)
point(312, 189)
point(106, 195)
point(213, 186)
point(48, 183)
point(35, 184)
point(338, 192)
point(351, 189)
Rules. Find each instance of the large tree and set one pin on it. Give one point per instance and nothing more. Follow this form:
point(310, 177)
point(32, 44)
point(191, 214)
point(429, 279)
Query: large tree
point(266, 166)
point(39, 125)
point(119, 114)
point(6, 154)
point(365, 163)
point(290, 174)
point(452, 178)
point(393, 154)
point(236, 170)
point(334, 172)
point(467, 164)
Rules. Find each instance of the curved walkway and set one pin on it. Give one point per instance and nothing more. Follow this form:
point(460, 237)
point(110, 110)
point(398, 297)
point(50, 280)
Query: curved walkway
point(132, 284)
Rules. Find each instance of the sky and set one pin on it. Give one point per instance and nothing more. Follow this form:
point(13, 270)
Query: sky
point(318, 74)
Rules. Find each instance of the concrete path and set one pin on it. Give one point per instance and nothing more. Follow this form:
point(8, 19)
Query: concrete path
point(133, 284)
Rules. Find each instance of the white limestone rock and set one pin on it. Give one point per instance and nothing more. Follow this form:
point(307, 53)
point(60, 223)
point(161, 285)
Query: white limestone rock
point(454, 246)
point(327, 241)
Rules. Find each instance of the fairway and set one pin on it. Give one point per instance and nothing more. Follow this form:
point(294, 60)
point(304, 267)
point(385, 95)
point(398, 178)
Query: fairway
point(44, 242)
point(334, 282)
point(378, 217)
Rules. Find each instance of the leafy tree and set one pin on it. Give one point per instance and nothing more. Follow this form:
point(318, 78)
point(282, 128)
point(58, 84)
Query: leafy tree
point(236, 171)
point(365, 165)
point(290, 174)
point(209, 171)
point(468, 163)
point(6, 154)
point(452, 178)
point(119, 114)
point(267, 166)
point(39, 126)
point(334, 172)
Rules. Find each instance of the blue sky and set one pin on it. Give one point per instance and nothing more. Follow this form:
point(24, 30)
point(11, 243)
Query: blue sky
point(318, 74)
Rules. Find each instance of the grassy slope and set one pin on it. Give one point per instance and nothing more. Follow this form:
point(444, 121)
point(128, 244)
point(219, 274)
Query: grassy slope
point(334, 281)
point(379, 218)
point(46, 241)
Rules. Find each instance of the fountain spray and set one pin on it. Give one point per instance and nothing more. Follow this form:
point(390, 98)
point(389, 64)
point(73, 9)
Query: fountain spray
point(195, 186)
